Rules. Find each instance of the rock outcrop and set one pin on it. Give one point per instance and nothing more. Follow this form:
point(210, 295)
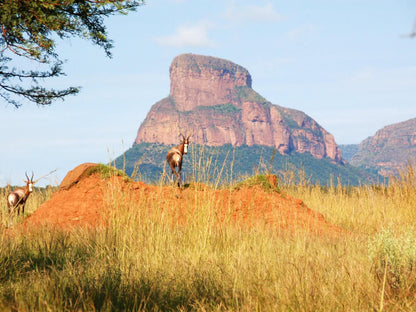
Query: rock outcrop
point(389, 150)
point(213, 99)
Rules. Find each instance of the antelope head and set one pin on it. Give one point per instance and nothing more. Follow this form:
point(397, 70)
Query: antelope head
point(185, 142)
point(29, 182)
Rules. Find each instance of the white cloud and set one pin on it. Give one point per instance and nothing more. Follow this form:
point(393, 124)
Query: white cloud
point(302, 31)
point(257, 13)
point(194, 36)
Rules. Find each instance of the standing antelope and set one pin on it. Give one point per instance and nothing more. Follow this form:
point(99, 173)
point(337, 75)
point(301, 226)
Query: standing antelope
point(175, 157)
point(18, 197)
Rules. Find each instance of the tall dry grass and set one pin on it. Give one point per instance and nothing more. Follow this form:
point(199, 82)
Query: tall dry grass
point(366, 209)
point(146, 260)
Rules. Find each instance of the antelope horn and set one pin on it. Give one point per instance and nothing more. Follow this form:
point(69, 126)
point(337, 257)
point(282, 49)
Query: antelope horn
point(26, 176)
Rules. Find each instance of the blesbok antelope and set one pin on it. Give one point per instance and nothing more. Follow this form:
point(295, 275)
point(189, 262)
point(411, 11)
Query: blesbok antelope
point(18, 197)
point(175, 157)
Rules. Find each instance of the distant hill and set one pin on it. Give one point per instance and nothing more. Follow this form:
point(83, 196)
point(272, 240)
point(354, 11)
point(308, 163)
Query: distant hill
point(389, 149)
point(226, 163)
point(348, 150)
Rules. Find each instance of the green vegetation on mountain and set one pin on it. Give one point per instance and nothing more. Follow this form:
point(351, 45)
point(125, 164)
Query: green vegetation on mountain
point(248, 94)
point(227, 108)
point(224, 164)
point(348, 150)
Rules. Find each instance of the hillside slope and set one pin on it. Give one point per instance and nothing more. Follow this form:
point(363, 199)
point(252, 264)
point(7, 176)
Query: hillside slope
point(223, 164)
point(389, 149)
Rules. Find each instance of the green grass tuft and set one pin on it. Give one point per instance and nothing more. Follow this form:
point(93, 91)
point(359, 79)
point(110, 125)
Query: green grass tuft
point(106, 172)
point(265, 182)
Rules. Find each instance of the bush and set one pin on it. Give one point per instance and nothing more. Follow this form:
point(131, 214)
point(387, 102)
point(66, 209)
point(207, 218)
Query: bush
point(394, 258)
point(106, 172)
point(265, 182)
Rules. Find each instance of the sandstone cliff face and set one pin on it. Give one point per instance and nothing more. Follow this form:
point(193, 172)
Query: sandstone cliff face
point(389, 150)
point(213, 99)
point(204, 81)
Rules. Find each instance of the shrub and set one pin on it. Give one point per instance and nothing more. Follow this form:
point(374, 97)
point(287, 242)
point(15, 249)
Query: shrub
point(265, 182)
point(394, 260)
point(106, 172)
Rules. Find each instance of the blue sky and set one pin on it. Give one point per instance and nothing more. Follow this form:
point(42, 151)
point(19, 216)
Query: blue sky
point(345, 63)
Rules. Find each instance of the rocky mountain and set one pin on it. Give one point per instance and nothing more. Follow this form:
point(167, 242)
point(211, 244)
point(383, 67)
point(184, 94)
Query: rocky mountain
point(213, 99)
point(389, 150)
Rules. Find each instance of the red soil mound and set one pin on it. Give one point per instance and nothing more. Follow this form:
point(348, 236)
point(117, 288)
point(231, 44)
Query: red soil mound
point(81, 199)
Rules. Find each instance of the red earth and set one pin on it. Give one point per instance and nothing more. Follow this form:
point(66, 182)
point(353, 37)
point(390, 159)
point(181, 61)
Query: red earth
point(80, 200)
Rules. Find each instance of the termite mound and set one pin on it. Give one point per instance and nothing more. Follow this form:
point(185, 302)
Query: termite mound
point(75, 175)
point(84, 193)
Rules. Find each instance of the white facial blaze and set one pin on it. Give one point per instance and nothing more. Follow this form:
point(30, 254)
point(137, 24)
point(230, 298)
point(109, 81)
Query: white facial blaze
point(30, 187)
point(185, 148)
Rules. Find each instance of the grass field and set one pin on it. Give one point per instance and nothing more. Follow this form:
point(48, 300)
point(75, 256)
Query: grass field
point(140, 262)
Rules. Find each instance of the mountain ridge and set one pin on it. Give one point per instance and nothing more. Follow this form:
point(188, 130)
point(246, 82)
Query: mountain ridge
point(212, 98)
point(389, 150)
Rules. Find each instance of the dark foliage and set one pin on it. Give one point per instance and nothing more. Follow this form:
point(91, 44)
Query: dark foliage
point(29, 30)
point(226, 163)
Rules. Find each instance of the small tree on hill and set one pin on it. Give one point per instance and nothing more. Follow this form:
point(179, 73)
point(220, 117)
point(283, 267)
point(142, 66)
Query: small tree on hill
point(29, 30)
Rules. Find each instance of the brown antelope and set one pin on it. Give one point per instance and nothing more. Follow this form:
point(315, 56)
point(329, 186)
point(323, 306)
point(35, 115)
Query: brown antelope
point(18, 197)
point(175, 157)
